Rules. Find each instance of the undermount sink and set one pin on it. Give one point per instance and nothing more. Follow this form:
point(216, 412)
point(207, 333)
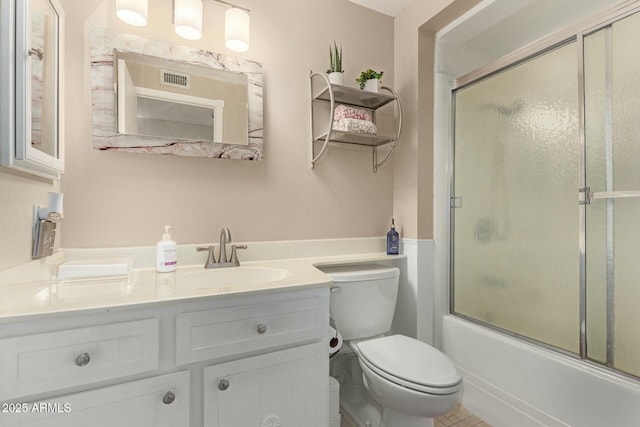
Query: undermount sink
point(231, 278)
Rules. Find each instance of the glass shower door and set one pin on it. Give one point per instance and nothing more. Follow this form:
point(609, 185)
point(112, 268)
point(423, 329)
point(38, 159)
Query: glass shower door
point(612, 134)
point(545, 224)
point(515, 213)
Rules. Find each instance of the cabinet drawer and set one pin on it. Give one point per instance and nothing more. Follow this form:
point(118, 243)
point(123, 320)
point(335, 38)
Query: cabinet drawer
point(155, 402)
point(56, 360)
point(218, 333)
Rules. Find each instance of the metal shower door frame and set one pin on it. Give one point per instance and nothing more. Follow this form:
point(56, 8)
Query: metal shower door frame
point(585, 196)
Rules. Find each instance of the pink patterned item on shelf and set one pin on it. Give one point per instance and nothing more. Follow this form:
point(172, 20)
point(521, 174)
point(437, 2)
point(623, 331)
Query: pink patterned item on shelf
point(355, 125)
point(347, 112)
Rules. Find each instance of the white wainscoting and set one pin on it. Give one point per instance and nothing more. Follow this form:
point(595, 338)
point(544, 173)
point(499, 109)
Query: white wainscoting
point(414, 310)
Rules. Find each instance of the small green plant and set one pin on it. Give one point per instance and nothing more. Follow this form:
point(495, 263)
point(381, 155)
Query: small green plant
point(335, 59)
point(368, 75)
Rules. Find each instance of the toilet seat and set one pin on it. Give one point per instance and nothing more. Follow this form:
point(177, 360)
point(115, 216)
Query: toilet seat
point(411, 364)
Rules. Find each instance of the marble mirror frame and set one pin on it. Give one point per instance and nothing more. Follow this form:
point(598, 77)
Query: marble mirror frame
point(105, 126)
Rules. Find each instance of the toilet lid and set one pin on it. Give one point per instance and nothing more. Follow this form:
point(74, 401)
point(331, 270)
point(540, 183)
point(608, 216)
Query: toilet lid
point(411, 361)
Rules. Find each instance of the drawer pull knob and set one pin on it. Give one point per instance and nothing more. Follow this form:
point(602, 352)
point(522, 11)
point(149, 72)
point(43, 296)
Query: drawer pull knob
point(261, 329)
point(223, 385)
point(83, 359)
point(168, 398)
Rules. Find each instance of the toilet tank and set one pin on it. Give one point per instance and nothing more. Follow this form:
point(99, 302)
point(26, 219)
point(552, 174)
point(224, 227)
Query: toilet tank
point(365, 302)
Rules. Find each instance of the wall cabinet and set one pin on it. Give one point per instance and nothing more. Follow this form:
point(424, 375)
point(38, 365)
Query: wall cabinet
point(32, 86)
point(255, 360)
point(324, 92)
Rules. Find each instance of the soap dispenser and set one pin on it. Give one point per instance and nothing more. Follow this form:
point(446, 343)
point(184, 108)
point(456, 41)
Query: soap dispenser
point(166, 253)
point(393, 239)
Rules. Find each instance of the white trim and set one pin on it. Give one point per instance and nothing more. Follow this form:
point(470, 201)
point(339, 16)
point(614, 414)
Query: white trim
point(415, 308)
point(7, 82)
point(144, 256)
point(179, 98)
point(16, 149)
point(217, 105)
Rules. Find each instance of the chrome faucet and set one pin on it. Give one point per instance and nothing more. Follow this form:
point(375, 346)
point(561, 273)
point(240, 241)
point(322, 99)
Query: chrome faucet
point(225, 237)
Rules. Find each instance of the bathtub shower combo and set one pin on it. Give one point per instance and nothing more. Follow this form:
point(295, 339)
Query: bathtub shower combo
point(545, 212)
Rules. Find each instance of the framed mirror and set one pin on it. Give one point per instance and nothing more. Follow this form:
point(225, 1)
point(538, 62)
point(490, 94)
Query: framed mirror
point(36, 145)
point(154, 97)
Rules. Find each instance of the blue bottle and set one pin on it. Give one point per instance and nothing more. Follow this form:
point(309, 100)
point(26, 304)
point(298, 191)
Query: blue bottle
point(393, 239)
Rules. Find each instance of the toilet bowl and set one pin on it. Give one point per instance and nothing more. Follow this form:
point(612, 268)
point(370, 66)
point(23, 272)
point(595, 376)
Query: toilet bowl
point(411, 381)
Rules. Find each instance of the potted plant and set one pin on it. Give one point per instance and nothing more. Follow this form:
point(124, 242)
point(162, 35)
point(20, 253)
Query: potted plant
point(335, 70)
point(370, 80)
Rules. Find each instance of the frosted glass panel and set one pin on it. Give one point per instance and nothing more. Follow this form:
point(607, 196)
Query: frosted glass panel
point(612, 106)
point(516, 230)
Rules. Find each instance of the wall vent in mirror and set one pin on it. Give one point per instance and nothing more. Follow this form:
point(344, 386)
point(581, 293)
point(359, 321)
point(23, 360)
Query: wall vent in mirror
point(173, 99)
point(175, 79)
point(191, 113)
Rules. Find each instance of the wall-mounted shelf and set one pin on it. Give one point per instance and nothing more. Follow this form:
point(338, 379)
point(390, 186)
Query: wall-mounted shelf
point(343, 95)
point(356, 97)
point(357, 138)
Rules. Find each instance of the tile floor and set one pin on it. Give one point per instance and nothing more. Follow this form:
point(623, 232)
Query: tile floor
point(459, 417)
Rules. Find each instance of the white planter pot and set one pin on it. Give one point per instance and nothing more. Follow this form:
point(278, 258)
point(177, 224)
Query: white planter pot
point(372, 85)
point(336, 78)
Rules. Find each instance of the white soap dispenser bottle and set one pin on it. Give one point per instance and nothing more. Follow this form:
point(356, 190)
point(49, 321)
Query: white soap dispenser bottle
point(166, 253)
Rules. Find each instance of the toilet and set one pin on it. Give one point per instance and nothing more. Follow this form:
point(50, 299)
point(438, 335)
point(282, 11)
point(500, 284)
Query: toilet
point(409, 381)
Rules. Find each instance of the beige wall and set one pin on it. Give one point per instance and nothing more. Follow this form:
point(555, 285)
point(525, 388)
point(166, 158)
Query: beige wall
point(415, 28)
point(19, 192)
point(120, 199)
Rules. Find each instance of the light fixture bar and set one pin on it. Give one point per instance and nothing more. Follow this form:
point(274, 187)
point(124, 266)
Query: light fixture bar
point(229, 4)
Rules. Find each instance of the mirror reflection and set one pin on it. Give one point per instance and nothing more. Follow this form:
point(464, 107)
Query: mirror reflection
point(147, 97)
point(44, 77)
point(169, 99)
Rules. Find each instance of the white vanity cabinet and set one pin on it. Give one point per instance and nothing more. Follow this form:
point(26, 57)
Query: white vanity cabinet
point(284, 388)
point(167, 363)
point(161, 401)
point(56, 360)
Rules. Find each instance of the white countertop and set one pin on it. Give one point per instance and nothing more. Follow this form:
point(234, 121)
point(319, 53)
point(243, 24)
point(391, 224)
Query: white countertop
point(42, 299)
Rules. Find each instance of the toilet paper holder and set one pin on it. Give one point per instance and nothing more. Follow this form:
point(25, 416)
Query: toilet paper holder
point(335, 341)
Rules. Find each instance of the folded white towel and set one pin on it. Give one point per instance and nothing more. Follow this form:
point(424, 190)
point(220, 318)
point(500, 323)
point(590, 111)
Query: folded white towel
point(355, 125)
point(348, 112)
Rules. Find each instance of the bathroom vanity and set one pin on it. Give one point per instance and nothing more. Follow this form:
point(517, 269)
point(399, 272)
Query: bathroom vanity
point(242, 346)
point(166, 356)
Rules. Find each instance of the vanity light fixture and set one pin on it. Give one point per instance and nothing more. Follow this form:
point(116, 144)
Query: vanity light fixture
point(236, 29)
point(187, 20)
point(133, 12)
point(187, 15)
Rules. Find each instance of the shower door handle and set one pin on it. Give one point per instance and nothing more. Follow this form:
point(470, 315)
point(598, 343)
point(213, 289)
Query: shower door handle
point(614, 195)
point(594, 195)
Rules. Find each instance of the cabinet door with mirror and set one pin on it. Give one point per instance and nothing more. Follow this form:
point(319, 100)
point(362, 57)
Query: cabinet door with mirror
point(31, 86)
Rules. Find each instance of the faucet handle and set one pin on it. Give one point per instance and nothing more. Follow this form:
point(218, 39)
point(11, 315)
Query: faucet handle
point(234, 254)
point(211, 259)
